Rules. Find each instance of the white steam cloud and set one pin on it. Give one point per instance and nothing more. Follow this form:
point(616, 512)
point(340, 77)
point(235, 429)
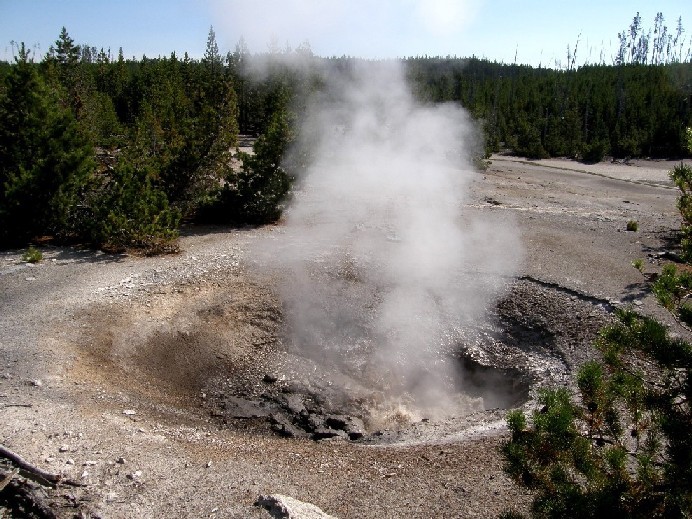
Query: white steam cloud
point(384, 28)
point(377, 254)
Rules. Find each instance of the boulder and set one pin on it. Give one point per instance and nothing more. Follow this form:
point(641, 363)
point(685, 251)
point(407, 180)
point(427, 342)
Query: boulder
point(285, 507)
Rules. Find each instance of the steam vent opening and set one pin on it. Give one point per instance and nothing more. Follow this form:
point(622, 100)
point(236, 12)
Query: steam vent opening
point(400, 303)
point(341, 383)
point(498, 388)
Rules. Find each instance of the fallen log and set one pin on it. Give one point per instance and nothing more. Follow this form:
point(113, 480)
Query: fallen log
point(37, 472)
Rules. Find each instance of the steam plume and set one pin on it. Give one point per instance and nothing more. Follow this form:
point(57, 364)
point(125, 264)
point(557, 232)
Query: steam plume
point(377, 254)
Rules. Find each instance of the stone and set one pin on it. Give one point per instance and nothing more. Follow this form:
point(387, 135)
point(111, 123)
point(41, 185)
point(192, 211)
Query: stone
point(325, 433)
point(314, 421)
point(294, 403)
point(352, 426)
point(242, 408)
point(283, 427)
point(285, 507)
point(270, 378)
point(135, 475)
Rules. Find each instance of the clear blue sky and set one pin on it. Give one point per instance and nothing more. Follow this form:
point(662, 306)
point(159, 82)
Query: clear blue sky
point(535, 31)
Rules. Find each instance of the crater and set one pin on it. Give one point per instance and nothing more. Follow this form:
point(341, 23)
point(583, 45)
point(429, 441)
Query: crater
point(224, 353)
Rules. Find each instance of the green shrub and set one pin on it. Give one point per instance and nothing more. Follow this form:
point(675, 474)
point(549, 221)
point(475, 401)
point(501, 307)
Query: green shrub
point(671, 288)
point(685, 313)
point(45, 162)
point(638, 264)
point(132, 214)
point(632, 226)
point(623, 449)
point(681, 175)
point(32, 255)
point(595, 152)
point(254, 195)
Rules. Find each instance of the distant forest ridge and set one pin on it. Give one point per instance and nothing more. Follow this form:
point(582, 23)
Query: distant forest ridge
point(636, 106)
point(117, 152)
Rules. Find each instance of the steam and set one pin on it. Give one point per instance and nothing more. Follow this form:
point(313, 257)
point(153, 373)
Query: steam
point(386, 28)
point(377, 254)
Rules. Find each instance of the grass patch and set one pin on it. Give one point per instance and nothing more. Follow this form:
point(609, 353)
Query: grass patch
point(32, 255)
point(638, 264)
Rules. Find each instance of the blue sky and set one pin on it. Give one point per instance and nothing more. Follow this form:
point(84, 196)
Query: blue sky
point(535, 31)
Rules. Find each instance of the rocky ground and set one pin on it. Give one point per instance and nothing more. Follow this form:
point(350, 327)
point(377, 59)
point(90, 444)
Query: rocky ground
point(164, 386)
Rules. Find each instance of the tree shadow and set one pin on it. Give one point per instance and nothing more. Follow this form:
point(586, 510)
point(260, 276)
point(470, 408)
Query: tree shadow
point(75, 255)
point(669, 240)
point(636, 291)
point(190, 230)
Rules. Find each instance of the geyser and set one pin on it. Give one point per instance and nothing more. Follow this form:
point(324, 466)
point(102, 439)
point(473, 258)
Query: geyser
point(378, 259)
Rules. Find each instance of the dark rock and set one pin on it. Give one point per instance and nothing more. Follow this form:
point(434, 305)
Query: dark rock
point(325, 433)
point(270, 378)
point(294, 403)
point(353, 427)
point(287, 430)
point(336, 421)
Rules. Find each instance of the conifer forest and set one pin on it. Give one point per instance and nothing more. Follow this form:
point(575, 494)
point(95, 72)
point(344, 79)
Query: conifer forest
point(117, 153)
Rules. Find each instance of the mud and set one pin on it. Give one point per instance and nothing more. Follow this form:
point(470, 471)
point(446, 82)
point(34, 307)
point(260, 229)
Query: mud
point(225, 352)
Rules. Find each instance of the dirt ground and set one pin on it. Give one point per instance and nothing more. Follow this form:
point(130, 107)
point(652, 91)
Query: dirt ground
point(117, 371)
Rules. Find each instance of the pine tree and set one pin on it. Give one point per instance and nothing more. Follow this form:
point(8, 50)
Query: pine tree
point(624, 449)
point(45, 163)
point(212, 58)
point(132, 214)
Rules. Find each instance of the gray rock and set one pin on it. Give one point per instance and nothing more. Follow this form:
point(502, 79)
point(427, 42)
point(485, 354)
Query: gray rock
point(294, 403)
point(241, 408)
point(352, 426)
point(284, 427)
point(314, 421)
point(285, 507)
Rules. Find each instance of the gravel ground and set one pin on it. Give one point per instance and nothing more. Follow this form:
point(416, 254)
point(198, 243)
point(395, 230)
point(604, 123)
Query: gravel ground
point(113, 369)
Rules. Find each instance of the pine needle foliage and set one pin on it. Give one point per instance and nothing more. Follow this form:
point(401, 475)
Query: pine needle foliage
point(133, 215)
point(682, 176)
point(45, 163)
point(622, 448)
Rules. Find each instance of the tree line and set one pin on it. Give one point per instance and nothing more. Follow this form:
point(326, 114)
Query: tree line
point(117, 152)
point(631, 110)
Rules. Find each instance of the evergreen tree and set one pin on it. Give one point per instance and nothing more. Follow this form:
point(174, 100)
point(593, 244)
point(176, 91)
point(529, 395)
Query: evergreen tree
point(256, 192)
point(45, 163)
point(132, 214)
point(623, 450)
point(212, 58)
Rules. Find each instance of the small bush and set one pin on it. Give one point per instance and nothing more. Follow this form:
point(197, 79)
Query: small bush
point(133, 215)
point(638, 264)
point(622, 449)
point(681, 175)
point(671, 287)
point(595, 152)
point(685, 313)
point(632, 226)
point(32, 255)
